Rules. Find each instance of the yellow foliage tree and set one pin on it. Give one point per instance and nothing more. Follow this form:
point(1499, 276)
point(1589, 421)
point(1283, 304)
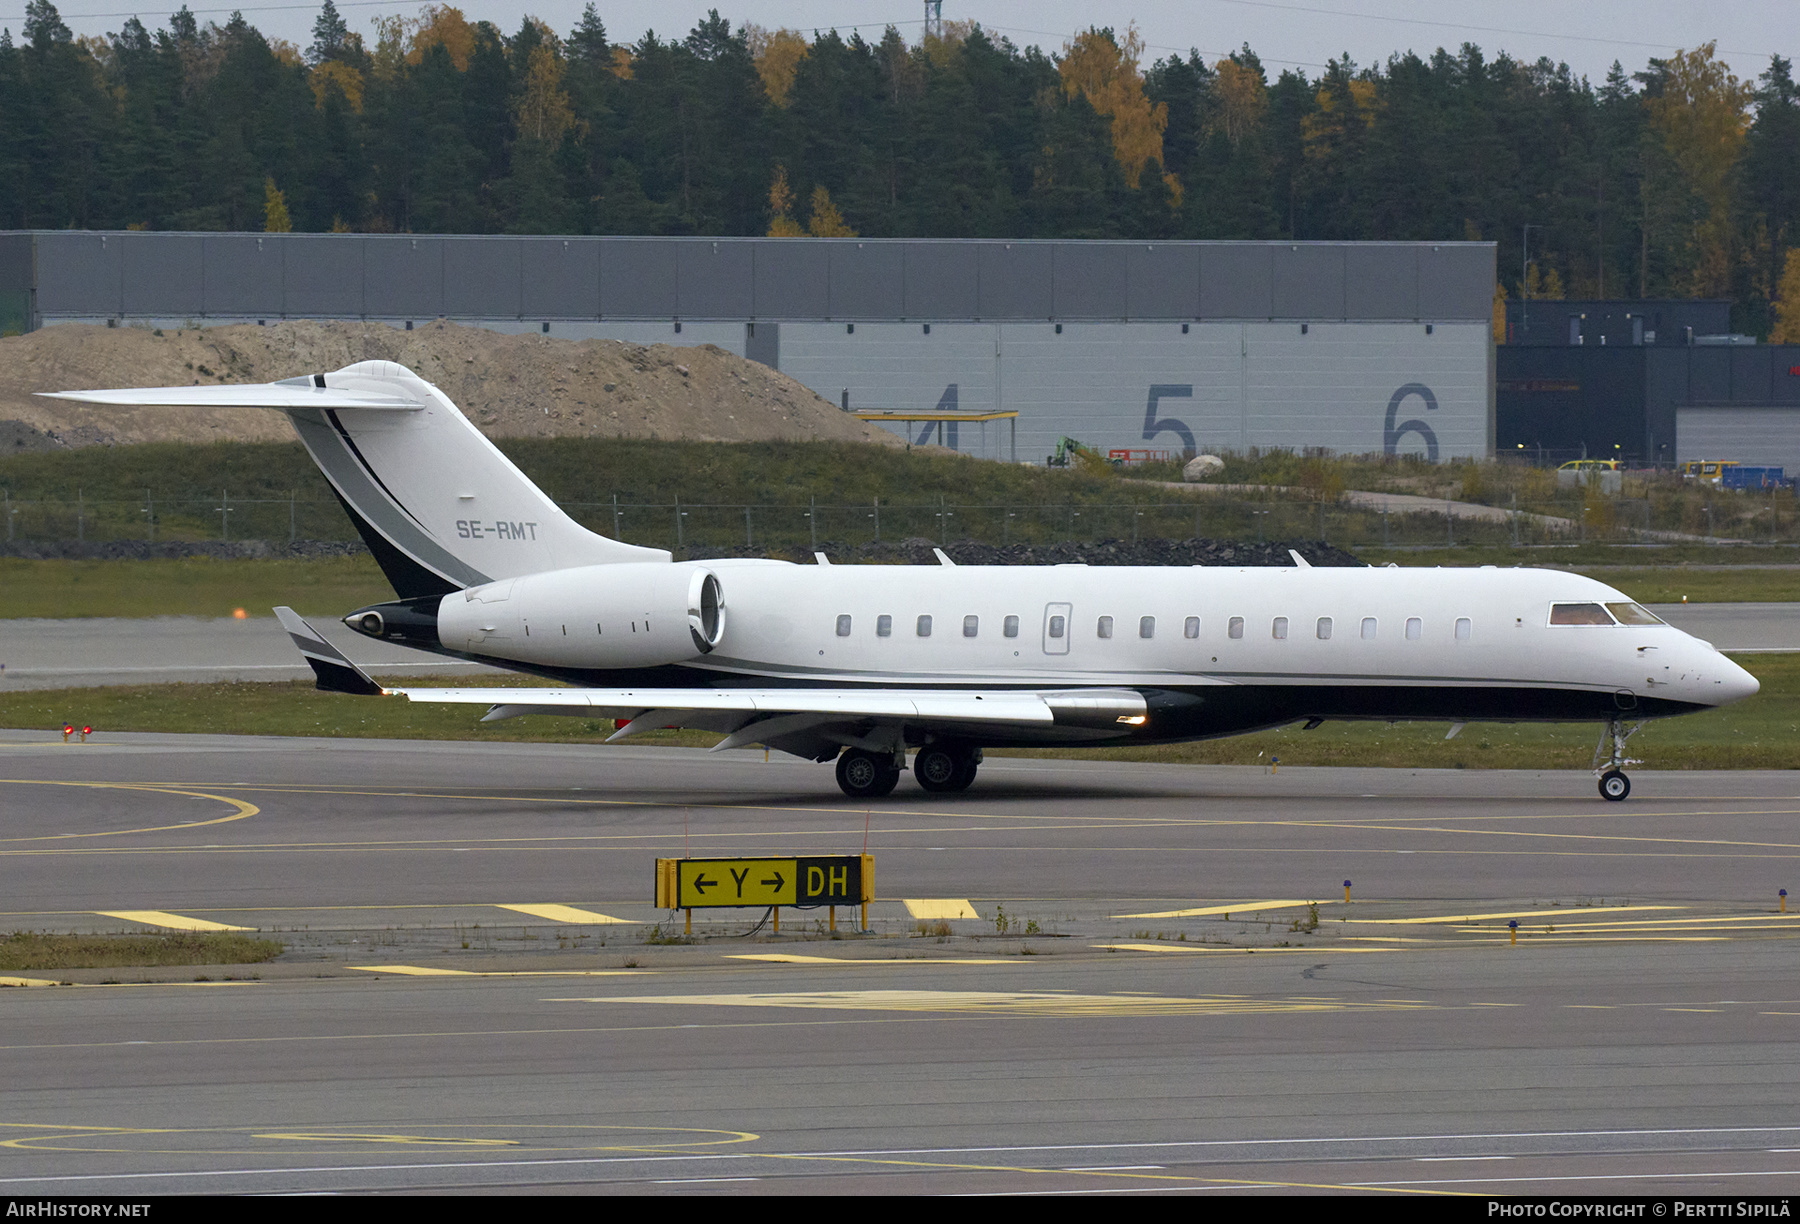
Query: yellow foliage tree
point(1096, 66)
point(442, 23)
point(781, 203)
point(621, 65)
point(1702, 115)
point(275, 210)
point(826, 221)
point(941, 49)
point(346, 78)
point(1499, 322)
point(1243, 99)
point(1787, 302)
point(1545, 286)
point(777, 54)
point(1331, 123)
point(543, 112)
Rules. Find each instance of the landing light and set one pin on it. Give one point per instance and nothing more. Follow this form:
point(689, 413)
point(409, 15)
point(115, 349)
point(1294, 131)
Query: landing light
point(1133, 720)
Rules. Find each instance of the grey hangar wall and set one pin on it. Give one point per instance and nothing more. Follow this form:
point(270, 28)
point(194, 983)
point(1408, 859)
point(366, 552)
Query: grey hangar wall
point(1351, 347)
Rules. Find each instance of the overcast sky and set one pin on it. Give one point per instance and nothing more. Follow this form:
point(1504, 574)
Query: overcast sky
point(1586, 34)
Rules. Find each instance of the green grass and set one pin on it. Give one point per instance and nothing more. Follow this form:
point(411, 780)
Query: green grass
point(322, 586)
point(30, 950)
point(1761, 733)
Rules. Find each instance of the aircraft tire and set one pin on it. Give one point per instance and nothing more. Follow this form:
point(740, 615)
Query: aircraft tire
point(940, 767)
point(1614, 786)
point(866, 775)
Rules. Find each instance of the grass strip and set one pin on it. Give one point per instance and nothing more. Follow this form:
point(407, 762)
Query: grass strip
point(32, 950)
point(1761, 733)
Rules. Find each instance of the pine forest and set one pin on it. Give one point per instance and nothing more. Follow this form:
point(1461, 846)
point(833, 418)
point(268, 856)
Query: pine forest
point(1676, 179)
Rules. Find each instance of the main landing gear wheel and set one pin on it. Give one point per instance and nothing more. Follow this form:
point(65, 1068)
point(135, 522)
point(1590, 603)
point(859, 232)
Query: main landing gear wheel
point(942, 768)
point(866, 775)
point(1609, 763)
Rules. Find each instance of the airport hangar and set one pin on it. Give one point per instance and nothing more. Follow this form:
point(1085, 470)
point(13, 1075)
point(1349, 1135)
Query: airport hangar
point(1176, 346)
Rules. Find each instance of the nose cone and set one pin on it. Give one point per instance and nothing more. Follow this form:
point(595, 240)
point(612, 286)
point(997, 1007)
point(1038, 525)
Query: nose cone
point(1734, 684)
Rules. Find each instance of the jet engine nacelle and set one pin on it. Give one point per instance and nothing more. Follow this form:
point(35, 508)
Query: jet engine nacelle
point(632, 615)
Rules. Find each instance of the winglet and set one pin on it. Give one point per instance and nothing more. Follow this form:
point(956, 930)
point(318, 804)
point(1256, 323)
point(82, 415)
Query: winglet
point(336, 673)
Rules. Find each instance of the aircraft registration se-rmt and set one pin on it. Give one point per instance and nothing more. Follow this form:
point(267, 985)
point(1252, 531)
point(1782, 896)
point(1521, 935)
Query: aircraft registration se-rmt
point(858, 664)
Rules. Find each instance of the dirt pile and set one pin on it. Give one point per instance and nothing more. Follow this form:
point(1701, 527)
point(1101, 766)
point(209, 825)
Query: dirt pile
point(510, 386)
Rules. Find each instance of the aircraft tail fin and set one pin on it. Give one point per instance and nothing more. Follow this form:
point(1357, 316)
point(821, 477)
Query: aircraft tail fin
point(437, 503)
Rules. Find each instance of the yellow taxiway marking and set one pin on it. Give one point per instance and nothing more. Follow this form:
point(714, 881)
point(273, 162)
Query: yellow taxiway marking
point(788, 958)
point(25, 981)
point(1566, 916)
point(1201, 949)
point(1002, 1003)
point(1240, 907)
point(173, 922)
point(355, 1137)
point(243, 809)
point(428, 971)
point(943, 908)
point(566, 913)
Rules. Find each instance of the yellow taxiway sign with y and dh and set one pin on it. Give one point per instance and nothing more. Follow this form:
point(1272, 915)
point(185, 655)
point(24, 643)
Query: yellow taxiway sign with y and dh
point(843, 879)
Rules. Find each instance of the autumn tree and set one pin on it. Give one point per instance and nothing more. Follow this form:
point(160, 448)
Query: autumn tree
point(1103, 71)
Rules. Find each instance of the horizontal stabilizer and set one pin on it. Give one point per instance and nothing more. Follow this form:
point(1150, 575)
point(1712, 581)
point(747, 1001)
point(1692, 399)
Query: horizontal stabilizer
point(289, 396)
point(336, 674)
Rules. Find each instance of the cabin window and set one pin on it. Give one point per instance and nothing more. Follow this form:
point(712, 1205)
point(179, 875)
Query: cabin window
point(1324, 628)
point(1057, 625)
point(843, 626)
point(1279, 630)
point(971, 626)
point(1191, 627)
point(1104, 628)
point(1577, 614)
point(1368, 628)
point(924, 626)
point(1010, 627)
point(1634, 614)
point(1146, 626)
point(1235, 629)
point(1462, 628)
point(884, 626)
point(1414, 627)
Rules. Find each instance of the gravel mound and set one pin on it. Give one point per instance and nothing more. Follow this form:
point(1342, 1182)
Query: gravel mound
point(510, 386)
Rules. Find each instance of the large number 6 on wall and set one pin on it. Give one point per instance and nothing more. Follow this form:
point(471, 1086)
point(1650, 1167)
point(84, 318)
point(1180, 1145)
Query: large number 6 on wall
point(1392, 433)
point(1152, 426)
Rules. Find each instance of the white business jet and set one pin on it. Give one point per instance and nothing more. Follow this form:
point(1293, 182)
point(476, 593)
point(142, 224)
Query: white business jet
point(858, 664)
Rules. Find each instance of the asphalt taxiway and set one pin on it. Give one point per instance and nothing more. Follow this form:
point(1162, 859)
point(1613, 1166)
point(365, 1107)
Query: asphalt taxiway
point(477, 994)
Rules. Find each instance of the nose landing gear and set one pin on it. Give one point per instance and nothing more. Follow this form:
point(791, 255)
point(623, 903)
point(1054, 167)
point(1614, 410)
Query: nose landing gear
point(1614, 785)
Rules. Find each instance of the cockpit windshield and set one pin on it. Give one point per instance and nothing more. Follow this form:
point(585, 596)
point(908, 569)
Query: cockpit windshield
point(1579, 614)
point(1602, 614)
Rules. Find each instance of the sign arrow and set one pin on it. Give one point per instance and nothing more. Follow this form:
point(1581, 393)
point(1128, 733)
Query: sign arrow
point(701, 884)
point(778, 881)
